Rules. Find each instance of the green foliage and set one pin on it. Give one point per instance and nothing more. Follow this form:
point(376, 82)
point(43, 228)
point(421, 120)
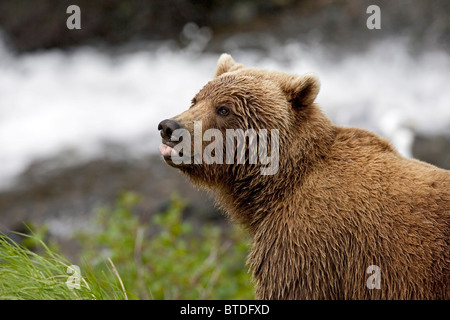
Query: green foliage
point(169, 258)
point(166, 258)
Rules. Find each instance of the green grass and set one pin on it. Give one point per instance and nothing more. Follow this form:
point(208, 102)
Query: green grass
point(165, 258)
point(25, 275)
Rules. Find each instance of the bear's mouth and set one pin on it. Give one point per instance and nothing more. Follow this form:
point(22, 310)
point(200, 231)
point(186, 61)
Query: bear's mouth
point(168, 151)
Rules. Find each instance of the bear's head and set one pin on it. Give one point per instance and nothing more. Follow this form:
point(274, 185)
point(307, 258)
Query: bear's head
point(244, 124)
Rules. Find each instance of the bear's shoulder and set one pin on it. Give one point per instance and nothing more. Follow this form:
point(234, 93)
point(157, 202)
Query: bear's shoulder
point(360, 138)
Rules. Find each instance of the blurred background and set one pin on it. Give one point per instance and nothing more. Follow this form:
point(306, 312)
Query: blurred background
point(79, 108)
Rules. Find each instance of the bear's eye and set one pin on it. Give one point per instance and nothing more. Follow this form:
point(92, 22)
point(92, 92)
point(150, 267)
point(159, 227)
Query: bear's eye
point(223, 111)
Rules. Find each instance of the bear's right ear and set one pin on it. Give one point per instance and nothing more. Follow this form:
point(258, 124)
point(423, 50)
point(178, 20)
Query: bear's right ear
point(226, 64)
point(301, 90)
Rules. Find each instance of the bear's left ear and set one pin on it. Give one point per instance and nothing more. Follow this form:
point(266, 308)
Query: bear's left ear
point(301, 90)
point(226, 64)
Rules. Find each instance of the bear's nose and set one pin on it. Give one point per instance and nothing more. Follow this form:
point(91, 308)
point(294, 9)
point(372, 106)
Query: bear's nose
point(167, 127)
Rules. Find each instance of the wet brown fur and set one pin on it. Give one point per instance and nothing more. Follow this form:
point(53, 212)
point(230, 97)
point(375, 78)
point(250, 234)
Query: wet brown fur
point(342, 200)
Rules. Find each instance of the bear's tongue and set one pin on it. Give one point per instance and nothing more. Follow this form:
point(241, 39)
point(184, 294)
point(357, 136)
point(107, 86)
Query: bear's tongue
point(167, 151)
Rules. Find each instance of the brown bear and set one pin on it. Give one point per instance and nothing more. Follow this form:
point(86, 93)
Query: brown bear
point(344, 216)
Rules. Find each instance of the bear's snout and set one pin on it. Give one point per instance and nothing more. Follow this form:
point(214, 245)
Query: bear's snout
point(167, 127)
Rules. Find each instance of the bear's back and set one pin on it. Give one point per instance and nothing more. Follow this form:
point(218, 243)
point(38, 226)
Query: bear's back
point(394, 212)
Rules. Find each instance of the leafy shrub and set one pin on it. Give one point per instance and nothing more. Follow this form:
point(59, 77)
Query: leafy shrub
point(177, 261)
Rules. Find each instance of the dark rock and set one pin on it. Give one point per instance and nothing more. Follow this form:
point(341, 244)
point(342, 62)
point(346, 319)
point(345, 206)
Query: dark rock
point(41, 24)
point(432, 149)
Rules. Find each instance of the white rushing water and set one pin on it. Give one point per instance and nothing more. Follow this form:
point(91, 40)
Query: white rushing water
point(54, 100)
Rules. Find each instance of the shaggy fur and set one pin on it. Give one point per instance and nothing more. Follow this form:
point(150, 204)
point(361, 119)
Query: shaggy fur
point(342, 200)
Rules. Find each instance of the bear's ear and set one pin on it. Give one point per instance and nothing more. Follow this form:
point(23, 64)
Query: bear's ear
point(301, 90)
point(226, 64)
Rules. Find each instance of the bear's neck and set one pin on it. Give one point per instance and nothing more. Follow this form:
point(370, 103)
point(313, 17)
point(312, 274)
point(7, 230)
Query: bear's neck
point(249, 199)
